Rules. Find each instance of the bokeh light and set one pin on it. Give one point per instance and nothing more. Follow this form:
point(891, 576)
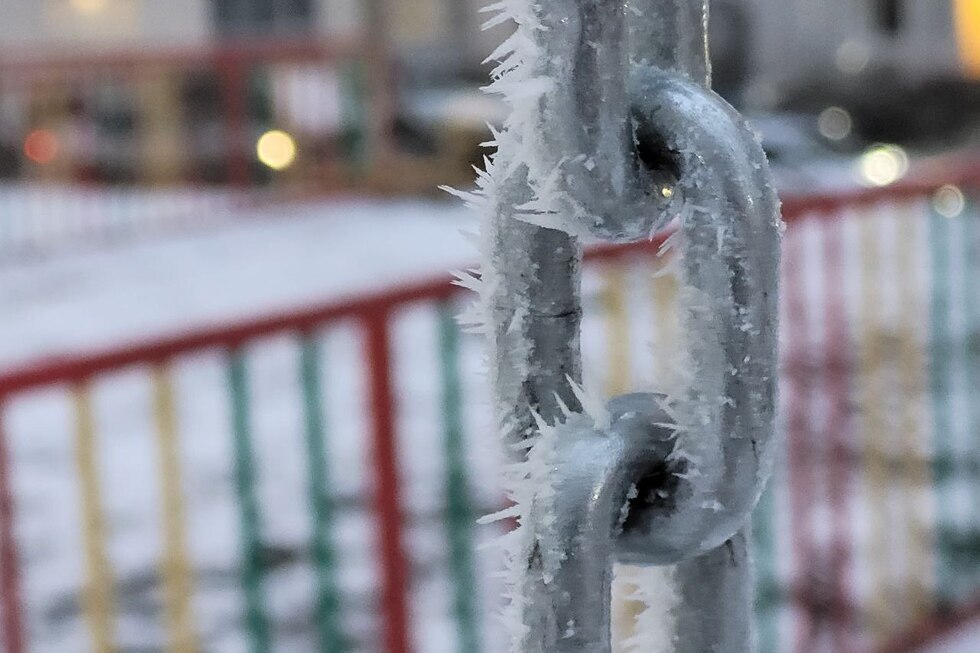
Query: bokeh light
point(41, 146)
point(949, 201)
point(852, 57)
point(883, 165)
point(835, 123)
point(88, 6)
point(276, 149)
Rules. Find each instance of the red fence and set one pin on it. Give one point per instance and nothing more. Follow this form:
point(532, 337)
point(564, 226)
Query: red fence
point(105, 147)
point(373, 317)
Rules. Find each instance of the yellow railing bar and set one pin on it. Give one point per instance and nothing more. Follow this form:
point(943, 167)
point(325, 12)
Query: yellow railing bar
point(664, 289)
point(912, 365)
point(175, 568)
point(618, 370)
point(98, 598)
point(872, 357)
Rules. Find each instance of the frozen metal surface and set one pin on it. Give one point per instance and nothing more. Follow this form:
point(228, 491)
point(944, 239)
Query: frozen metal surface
point(617, 138)
point(595, 474)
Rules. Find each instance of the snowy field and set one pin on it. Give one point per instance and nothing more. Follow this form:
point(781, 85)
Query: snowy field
point(301, 254)
point(80, 302)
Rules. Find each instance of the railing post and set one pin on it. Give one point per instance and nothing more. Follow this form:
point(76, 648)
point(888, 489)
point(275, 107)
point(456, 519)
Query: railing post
point(387, 492)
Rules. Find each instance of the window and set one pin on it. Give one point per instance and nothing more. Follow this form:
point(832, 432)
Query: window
point(263, 17)
point(890, 15)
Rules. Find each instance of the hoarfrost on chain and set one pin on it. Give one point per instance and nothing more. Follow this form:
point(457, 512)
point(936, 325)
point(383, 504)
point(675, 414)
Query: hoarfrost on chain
point(570, 166)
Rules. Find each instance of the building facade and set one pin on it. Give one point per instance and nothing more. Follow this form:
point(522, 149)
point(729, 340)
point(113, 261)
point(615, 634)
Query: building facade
point(39, 28)
point(781, 41)
point(794, 42)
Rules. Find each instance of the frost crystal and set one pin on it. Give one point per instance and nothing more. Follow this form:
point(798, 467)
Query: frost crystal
point(568, 168)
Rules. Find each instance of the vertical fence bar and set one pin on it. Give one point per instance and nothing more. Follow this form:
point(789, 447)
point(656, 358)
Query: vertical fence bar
point(175, 567)
point(664, 289)
point(626, 608)
point(459, 507)
point(252, 568)
point(837, 428)
point(387, 498)
point(327, 612)
point(797, 389)
point(10, 593)
point(911, 365)
point(872, 357)
point(970, 245)
point(766, 583)
point(768, 593)
point(98, 598)
point(617, 329)
point(965, 391)
point(944, 462)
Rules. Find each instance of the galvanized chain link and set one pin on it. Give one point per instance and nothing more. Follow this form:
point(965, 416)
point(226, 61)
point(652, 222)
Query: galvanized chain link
point(623, 140)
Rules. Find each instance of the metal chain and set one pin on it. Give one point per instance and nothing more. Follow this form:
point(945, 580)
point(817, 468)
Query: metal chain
point(624, 140)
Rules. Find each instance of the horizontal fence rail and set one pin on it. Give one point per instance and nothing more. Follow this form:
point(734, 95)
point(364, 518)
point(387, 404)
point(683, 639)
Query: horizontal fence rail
point(353, 455)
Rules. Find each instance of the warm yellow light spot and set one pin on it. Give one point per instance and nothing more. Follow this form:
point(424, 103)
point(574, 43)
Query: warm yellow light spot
point(835, 123)
point(276, 149)
point(667, 191)
point(882, 165)
point(949, 201)
point(968, 35)
point(88, 6)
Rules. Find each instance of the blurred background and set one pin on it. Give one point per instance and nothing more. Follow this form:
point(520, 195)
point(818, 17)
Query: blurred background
point(237, 412)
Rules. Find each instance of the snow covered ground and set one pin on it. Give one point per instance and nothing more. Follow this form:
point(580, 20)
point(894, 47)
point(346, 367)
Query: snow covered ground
point(80, 302)
point(315, 252)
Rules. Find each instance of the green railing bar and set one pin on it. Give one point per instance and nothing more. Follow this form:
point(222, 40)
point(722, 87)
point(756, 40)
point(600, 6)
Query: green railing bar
point(324, 557)
point(255, 617)
point(460, 516)
point(766, 586)
point(970, 552)
point(942, 399)
point(971, 301)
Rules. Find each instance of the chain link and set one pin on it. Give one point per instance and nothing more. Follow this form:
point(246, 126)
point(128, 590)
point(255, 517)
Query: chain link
point(623, 140)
